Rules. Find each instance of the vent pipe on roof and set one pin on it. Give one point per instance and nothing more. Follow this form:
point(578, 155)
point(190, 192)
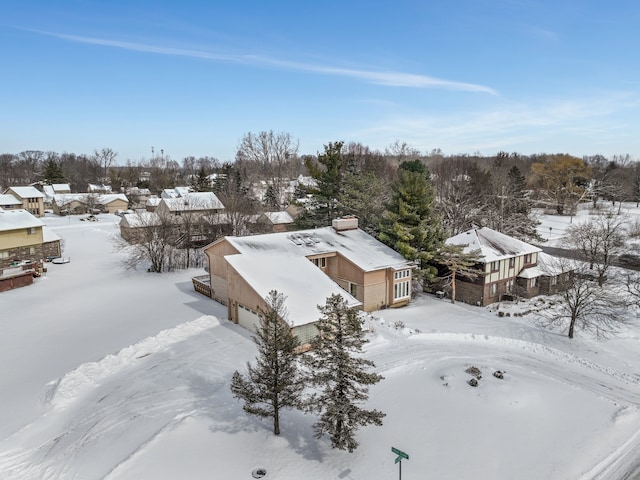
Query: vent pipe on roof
point(345, 223)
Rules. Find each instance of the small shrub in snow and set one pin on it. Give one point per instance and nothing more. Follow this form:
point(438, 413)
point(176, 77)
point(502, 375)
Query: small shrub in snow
point(473, 382)
point(399, 325)
point(501, 313)
point(474, 371)
point(498, 374)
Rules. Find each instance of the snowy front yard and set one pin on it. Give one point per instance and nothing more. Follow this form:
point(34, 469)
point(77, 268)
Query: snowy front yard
point(116, 374)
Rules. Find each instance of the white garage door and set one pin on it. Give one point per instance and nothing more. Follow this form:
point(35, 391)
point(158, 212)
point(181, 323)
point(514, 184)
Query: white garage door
point(248, 318)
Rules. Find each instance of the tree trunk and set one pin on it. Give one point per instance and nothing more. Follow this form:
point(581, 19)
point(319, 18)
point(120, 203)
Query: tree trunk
point(453, 286)
point(572, 325)
point(276, 421)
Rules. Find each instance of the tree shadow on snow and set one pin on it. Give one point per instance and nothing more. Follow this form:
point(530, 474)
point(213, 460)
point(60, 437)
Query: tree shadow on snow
point(226, 415)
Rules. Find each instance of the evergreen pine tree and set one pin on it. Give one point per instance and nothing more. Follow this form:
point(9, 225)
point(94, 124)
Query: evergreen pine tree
point(274, 382)
point(457, 263)
point(340, 375)
point(271, 200)
point(410, 225)
point(363, 195)
point(324, 205)
point(201, 182)
point(53, 172)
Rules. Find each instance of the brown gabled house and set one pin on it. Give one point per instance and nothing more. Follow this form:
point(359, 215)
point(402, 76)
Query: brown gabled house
point(509, 267)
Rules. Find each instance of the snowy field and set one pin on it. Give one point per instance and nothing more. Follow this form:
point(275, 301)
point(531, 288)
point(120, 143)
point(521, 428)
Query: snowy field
point(116, 374)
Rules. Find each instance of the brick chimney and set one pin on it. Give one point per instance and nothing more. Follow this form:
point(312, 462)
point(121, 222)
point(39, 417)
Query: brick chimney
point(345, 223)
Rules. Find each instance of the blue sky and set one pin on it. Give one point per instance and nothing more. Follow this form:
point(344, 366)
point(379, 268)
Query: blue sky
point(192, 77)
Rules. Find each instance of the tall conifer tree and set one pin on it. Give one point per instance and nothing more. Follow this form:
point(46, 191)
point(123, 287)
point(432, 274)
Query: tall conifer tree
point(274, 382)
point(410, 225)
point(340, 374)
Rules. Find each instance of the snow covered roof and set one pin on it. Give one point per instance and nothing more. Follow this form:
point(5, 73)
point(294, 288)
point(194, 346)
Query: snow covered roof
point(355, 245)
point(176, 192)
point(26, 192)
point(66, 198)
point(107, 198)
point(17, 219)
point(153, 201)
point(140, 219)
point(61, 187)
point(304, 284)
point(194, 202)
point(548, 266)
point(278, 217)
point(49, 235)
point(8, 199)
point(492, 245)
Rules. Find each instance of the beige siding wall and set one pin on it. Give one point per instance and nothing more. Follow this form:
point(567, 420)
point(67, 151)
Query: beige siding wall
point(376, 291)
point(216, 253)
point(20, 238)
point(240, 293)
point(117, 204)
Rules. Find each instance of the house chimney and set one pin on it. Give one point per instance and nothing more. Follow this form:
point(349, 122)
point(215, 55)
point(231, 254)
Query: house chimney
point(345, 223)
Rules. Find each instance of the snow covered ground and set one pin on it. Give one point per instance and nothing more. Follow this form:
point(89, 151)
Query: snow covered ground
point(119, 374)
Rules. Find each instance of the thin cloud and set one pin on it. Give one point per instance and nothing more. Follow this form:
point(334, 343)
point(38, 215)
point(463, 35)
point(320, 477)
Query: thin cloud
point(509, 126)
point(386, 78)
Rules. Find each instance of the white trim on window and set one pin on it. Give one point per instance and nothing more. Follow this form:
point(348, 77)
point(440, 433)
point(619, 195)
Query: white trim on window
point(401, 290)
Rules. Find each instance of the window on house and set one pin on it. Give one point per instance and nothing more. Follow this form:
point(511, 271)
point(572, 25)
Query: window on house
point(353, 289)
point(493, 289)
point(401, 274)
point(401, 290)
point(554, 280)
point(4, 254)
point(527, 258)
point(32, 250)
point(495, 266)
point(31, 231)
point(320, 262)
point(509, 285)
point(534, 282)
point(512, 262)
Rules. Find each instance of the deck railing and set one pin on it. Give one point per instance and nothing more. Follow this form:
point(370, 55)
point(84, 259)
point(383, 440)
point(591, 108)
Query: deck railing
point(201, 285)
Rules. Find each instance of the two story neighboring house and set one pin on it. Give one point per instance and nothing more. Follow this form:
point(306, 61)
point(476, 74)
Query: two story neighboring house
point(503, 260)
point(9, 202)
point(23, 237)
point(198, 203)
point(31, 198)
point(306, 266)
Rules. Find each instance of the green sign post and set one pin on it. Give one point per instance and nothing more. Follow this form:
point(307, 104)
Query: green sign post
point(399, 458)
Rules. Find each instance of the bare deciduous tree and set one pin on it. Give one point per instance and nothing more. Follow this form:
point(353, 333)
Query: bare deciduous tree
point(156, 243)
point(105, 158)
point(269, 153)
point(584, 305)
point(599, 241)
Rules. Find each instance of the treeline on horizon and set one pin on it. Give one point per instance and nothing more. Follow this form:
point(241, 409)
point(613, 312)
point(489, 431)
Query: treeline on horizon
point(281, 160)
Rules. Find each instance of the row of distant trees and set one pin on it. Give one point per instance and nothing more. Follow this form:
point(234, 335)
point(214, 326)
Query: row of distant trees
point(558, 180)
